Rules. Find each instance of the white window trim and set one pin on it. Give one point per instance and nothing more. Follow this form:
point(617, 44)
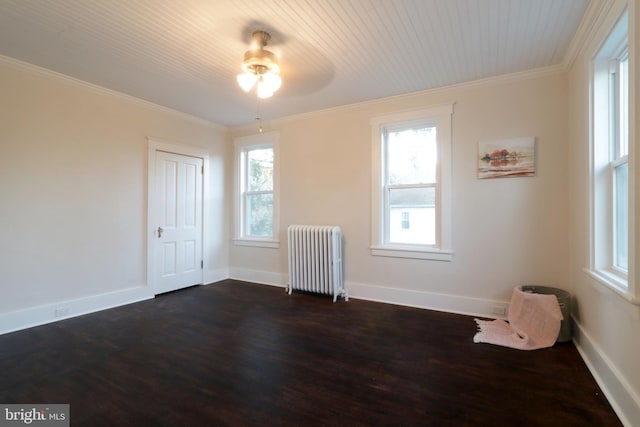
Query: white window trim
point(612, 37)
point(268, 139)
point(441, 116)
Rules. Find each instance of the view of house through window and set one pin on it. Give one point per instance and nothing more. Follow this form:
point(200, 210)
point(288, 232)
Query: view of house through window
point(405, 221)
point(410, 185)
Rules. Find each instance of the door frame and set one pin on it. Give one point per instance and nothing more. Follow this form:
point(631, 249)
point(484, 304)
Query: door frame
point(155, 145)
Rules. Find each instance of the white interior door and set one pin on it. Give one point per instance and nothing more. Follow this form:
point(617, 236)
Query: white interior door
point(178, 232)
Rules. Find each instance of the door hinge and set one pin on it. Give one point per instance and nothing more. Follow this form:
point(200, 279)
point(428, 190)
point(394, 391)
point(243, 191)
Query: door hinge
point(202, 169)
point(201, 264)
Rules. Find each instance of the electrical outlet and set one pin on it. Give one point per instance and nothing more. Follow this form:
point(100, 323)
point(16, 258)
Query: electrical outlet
point(62, 311)
point(499, 310)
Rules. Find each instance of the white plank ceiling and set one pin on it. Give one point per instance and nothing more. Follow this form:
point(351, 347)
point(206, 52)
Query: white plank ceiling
point(185, 54)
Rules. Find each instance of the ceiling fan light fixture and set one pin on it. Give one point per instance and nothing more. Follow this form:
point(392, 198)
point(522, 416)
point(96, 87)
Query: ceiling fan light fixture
point(260, 68)
point(263, 91)
point(246, 80)
point(272, 81)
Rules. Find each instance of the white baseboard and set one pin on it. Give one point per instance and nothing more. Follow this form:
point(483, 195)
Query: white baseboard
point(35, 316)
point(420, 299)
point(429, 300)
point(212, 276)
point(624, 400)
point(261, 277)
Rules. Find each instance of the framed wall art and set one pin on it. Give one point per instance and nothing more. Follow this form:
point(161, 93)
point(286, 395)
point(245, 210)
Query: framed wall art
point(507, 158)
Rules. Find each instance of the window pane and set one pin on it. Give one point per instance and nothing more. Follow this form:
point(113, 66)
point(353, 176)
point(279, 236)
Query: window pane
point(412, 156)
point(260, 173)
point(623, 96)
point(260, 215)
point(418, 205)
point(405, 221)
point(622, 216)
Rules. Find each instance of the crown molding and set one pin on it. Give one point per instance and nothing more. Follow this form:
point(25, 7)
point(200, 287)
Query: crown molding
point(473, 84)
point(72, 81)
point(595, 13)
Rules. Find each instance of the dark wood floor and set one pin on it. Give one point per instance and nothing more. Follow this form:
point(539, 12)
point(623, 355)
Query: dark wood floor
point(242, 354)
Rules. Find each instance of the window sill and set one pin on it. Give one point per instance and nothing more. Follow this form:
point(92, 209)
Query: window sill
point(258, 243)
point(613, 282)
point(412, 252)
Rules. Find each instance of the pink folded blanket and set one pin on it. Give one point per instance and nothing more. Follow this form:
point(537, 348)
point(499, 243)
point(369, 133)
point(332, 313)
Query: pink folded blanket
point(534, 322)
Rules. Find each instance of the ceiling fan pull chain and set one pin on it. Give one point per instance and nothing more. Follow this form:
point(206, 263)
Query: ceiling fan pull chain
point(258, 115)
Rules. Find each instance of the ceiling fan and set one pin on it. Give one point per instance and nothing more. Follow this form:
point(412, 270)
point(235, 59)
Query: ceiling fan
point(260, 67)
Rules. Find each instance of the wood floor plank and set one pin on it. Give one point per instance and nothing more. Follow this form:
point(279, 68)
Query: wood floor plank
point(241, 354)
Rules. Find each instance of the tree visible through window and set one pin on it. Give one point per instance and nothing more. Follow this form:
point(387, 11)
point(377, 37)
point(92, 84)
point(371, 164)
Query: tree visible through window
point(256, 195)
point(259, 192)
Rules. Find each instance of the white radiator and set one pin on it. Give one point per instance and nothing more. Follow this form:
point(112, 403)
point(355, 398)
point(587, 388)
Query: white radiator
point(315, 260)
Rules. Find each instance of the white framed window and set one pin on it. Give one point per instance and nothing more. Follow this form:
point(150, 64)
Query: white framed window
point(256, 192)
point(610, 189)
point(619, 77)
point(411, 188)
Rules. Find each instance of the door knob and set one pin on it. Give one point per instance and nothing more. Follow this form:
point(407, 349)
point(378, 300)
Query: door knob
point(160, 230)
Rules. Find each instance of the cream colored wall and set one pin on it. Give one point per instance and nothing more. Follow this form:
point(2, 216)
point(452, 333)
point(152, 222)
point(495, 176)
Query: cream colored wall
point(607, 326)
point(73, 203)
point(73, 188)
point(507, 232)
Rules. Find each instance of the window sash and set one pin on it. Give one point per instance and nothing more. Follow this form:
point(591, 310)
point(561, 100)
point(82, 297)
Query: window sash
point(619, 104)
point(620, 217)
point(619, 148)
point(251, 219)
point(387, 214)
point(622, 122)
point(265, 185)
point(433, 242)
point(611, 201)
point(440, 118)
point(256, 201)
point(432, 175)
point(247, 194)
